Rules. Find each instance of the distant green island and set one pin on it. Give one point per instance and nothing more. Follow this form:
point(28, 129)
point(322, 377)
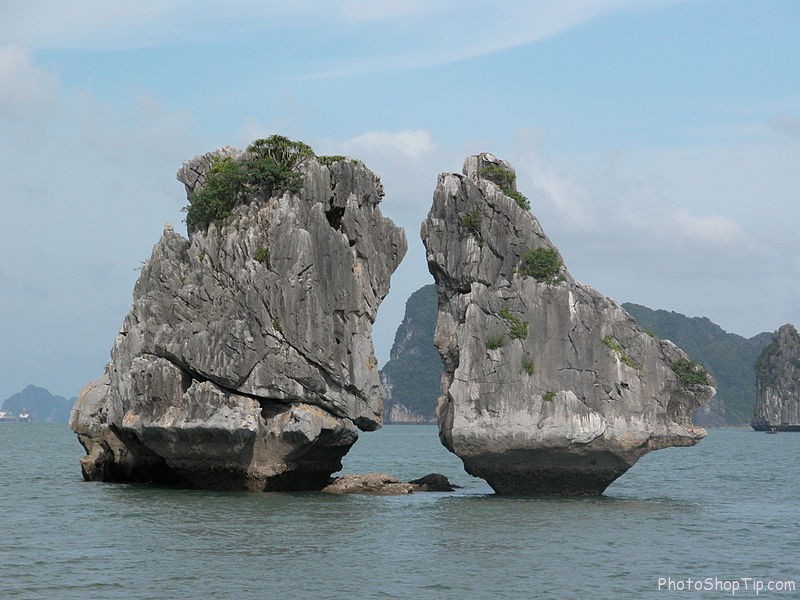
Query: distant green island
point(413, 373)
point(39, 404)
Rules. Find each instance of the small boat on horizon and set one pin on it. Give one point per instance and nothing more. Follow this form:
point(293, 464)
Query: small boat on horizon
point(24, 416)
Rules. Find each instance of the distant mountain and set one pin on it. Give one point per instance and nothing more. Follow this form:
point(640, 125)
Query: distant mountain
point(43, 406)
point(729, 357)
point(412, 376)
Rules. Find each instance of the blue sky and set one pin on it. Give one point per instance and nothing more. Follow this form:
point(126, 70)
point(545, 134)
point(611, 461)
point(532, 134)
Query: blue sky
point(658, 140)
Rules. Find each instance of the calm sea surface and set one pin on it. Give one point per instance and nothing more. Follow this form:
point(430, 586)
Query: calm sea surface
point(728, 509)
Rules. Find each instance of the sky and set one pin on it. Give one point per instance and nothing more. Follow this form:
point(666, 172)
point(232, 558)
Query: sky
point(658, 142)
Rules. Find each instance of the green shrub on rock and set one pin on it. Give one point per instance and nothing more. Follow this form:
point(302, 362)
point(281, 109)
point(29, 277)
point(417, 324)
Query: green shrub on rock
point(517, 328)
point(472, 222)
point(498, 175)
point(521, 199)
point(269, 166)
point(328, 160)
point(215, 201)
point(690, 372)
point(287, 154)
point(543, 264)
point(527, 365)
point(505, 179)
point(612, 343)
point(262, 255)
point(493, 343)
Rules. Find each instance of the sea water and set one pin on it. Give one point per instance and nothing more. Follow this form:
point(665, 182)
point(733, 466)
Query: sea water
point(724, 512)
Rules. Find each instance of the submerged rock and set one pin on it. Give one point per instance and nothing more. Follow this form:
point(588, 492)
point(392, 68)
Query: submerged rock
point(778, 383)
point(434, 482)
point(549, 387)
point(381, 484)
point(246, 361)
point(378, 484)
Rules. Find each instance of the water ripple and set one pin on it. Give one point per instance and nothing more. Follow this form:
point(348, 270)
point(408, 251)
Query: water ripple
point(718, 509)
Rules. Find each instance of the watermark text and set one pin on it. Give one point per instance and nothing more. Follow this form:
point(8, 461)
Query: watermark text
point(729, 586)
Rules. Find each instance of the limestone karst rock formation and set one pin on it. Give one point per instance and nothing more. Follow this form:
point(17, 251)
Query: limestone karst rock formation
point(778, 383)
point(412, 374)
point(549, 387)
point(246, 361)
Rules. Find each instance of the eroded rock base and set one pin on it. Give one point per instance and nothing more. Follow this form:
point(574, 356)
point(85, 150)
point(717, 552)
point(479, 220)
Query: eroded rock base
point(548, 472)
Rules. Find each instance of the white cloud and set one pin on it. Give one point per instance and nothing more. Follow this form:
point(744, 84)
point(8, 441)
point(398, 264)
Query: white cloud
point(25, 90)
point(568, 196)
point(713, 229)
point(414, 144)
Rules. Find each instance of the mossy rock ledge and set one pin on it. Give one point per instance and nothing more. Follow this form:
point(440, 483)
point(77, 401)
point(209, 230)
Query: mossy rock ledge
point(577, 393)
point(246, 361)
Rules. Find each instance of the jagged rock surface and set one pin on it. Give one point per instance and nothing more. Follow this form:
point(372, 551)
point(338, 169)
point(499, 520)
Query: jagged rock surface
point(778, 383)
point(246, 361)
point(558, 410)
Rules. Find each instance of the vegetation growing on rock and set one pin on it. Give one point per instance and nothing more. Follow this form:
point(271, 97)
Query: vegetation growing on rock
point(495, 342)
point(505, 179)
point(262, 255)
point(527, 365)
point(543, 264)
point(224, 181)
point(611, 342)
point(329, 159)
point(517, 328)
point(472, 222)
point(269, 166)
point(690, 372)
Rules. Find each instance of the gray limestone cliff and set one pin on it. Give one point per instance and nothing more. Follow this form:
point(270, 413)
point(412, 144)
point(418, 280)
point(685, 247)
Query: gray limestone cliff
point(246, 361)
point(549, 387)
point(778, 383)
